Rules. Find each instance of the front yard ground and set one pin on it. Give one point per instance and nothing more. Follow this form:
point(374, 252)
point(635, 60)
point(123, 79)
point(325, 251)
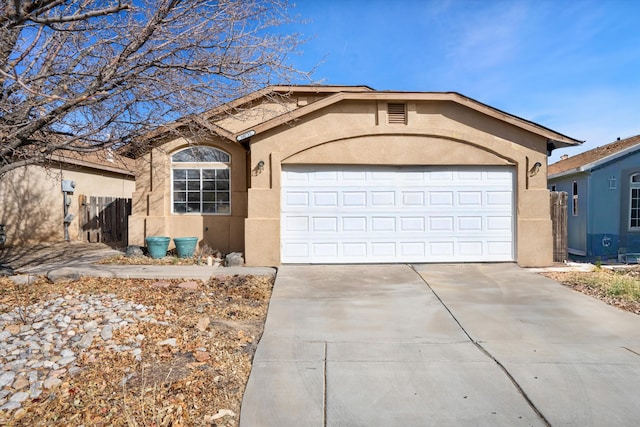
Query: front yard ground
point(182, 360)
point(617, 287)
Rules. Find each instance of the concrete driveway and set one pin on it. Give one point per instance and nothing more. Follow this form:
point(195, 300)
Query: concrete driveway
point(440, 345)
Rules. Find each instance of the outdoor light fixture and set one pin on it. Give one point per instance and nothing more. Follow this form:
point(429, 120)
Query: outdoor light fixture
point(535, 169)
point(258, 169)
point(246, 135)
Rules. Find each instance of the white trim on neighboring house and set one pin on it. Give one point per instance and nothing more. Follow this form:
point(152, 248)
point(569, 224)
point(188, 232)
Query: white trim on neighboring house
point(594, 164)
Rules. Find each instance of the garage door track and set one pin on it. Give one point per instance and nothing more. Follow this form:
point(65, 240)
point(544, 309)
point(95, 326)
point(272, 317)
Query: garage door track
point(440, 345)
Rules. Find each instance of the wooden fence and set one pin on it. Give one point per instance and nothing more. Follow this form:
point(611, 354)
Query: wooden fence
point(104, 220)
point(559, 224)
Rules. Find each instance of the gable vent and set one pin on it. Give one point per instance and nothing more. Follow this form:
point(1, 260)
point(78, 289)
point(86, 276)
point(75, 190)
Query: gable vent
point(397, 113)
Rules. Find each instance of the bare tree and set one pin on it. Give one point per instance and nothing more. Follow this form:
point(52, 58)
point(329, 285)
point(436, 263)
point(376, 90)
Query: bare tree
point(81, 75)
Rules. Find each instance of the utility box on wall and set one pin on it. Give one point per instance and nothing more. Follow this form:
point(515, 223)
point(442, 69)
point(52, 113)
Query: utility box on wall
point(68, 186)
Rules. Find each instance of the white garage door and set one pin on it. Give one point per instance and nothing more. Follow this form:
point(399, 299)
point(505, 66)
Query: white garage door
point(369, 214)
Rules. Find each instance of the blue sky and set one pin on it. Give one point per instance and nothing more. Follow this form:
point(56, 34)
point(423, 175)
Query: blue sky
point(572, 66)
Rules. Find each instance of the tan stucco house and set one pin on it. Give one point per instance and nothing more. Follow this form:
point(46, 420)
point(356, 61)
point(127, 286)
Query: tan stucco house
point(330, 174)
point(32, 203)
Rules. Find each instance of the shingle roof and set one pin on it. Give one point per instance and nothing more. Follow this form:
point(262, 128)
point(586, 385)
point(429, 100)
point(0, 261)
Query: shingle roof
point(103, 159)
point(591, 156)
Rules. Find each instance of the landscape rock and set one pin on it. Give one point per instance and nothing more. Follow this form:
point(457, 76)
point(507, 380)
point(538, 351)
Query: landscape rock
point(160, 284)
point(203, 323)
point(23, 279)
point(63, 275)
point(193, 285)
point(223, 413)
point(107, 332)
point(52, 382)
point(134, 251)
point(234, 259)
point(201, 356)
point(6, 270)
point(36, 355)
point(169, 341)
point(19, 397)
point(20, 383)
point(6, 378)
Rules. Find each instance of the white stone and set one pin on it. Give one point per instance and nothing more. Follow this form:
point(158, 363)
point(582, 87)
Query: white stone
point(20, 396)
point(10, 406)
point(86, 340)
point(170, 342)
point(7, 378)
point(224, 413)
point(66, 360)
point(90, 326)
point(107, 332)
point(52, 382)
point(67, 353)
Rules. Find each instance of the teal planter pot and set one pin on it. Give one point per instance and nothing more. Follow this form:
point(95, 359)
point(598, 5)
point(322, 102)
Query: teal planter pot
point(157, 246)
point(185, 246)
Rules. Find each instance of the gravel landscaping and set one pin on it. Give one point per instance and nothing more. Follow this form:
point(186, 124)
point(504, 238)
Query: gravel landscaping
point(128, 352)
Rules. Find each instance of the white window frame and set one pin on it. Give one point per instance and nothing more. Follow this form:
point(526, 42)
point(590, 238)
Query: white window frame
point(574, 198)
point(222, 207)
point(634, 186)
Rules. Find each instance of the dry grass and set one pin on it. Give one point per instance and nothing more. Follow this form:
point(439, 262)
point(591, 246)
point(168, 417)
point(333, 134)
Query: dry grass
point(618, 288)
point(186, 385)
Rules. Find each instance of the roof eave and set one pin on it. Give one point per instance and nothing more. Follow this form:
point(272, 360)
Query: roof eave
point(558, 139)
point(83, 163)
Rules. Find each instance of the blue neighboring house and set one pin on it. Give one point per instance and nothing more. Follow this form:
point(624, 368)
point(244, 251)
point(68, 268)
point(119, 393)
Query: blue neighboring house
point(604, 199)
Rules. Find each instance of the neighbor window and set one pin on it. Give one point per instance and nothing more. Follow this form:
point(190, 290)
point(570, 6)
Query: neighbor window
point(634, 202)
point(574, 199)
point(200, 181)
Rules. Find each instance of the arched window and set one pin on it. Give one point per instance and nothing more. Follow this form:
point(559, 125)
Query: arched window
point(634, 202)
point(201, 181)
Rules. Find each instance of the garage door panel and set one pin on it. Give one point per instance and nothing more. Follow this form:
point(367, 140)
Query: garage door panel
point(326, 199)
point(297, 198)
point(383, 198)
point(438, 224)
point(413, 249)
point(470, 223)
point(498, 198)
point(412, 198)
point(412, 224)
point(354, 224)
point(354, 198)
point(471, 248)
point(441, 198)
point(349, 214)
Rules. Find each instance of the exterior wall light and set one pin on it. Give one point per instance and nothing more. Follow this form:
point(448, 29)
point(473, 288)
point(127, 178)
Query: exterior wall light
point(535, 169)
point(258, 169)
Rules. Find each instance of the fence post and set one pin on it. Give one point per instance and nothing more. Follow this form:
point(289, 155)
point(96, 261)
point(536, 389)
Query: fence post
point(559, 224)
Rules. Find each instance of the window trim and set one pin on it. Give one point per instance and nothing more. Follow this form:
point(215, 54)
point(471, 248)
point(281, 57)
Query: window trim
point(634, 185)
point(574, 198)
point(200, 167)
